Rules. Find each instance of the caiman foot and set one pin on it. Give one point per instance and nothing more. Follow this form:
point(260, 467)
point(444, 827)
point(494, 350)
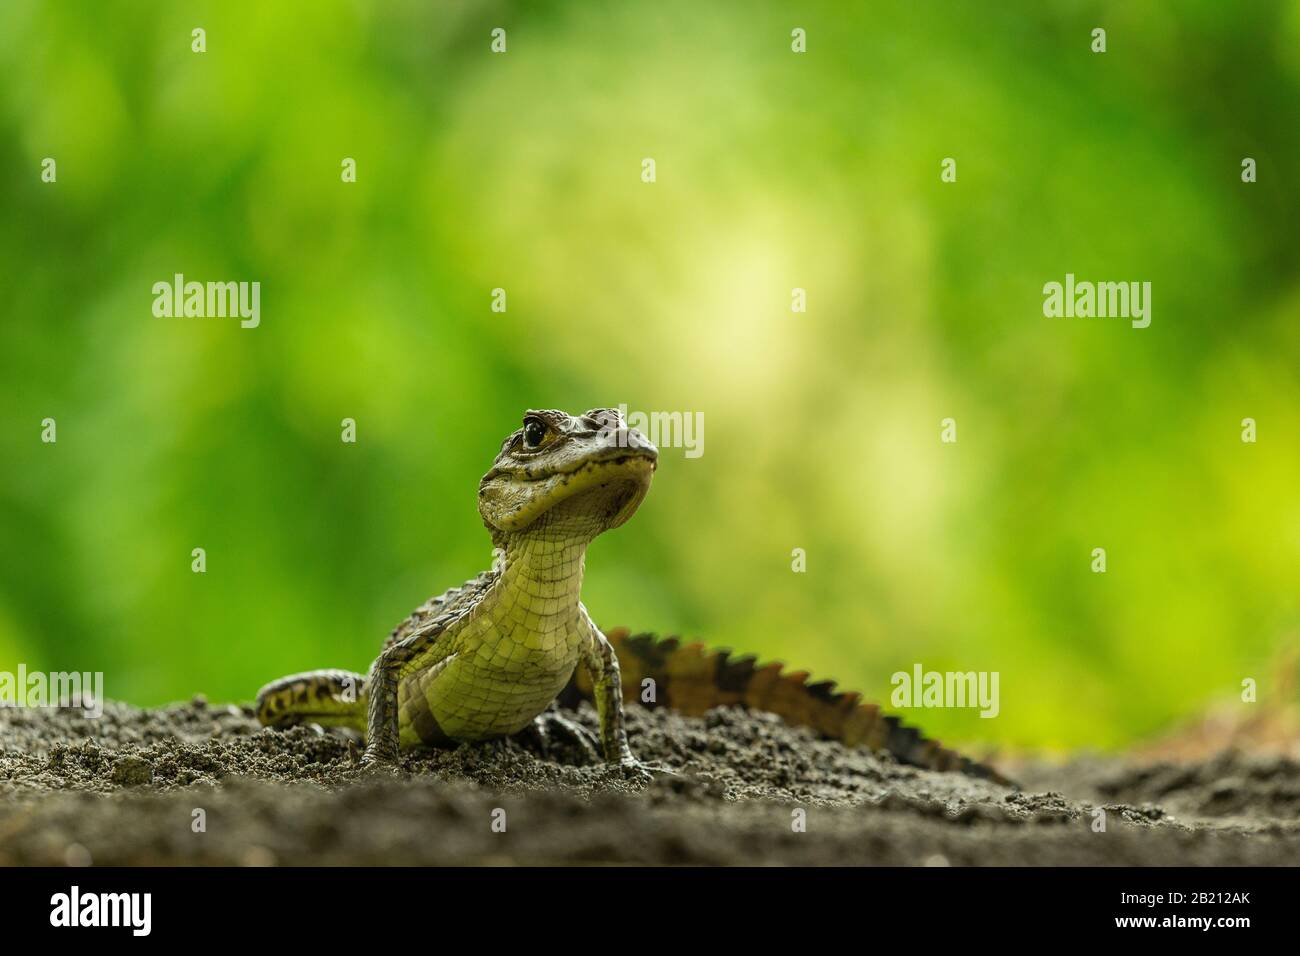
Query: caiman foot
point(643, 772)
point(379, 759)
point(550, 726)
point(378, 769)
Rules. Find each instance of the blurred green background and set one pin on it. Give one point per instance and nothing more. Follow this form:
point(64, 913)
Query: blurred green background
point(775, 171)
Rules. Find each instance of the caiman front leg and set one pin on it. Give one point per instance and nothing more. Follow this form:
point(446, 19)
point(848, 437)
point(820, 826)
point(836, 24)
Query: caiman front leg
point(382, 733)
point(428, 647)
point(602, 666)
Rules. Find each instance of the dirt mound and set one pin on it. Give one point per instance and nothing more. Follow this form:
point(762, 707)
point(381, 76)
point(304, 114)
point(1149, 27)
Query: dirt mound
point(200, 784)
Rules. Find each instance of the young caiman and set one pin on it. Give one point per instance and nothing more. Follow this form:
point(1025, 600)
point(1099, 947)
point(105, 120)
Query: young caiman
point(487, 659)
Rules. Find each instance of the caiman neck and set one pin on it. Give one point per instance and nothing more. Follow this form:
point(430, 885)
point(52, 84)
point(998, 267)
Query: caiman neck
point(547, 559)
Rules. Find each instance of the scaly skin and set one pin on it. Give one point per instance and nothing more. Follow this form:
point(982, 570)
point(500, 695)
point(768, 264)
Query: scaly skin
point(486, 659)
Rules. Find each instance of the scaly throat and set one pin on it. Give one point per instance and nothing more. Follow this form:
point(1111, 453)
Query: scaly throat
point(539, 579)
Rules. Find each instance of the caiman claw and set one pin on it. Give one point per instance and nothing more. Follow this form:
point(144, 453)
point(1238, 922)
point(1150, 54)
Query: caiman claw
point(633, 769)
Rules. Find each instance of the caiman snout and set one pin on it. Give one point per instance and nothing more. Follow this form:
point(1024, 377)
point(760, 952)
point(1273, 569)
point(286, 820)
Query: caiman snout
point(631, 440)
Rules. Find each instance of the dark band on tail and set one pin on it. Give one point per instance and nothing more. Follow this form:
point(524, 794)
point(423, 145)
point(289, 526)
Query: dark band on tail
point(692, 679)
point(328, 697)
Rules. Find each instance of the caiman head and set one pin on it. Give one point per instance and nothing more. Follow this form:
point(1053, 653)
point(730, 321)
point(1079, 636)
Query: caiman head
point(582, 474)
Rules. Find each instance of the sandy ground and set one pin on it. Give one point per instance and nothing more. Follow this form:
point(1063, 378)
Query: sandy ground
point(133, 786)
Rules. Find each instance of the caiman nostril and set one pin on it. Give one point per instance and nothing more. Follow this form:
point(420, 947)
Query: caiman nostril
point(631, 438)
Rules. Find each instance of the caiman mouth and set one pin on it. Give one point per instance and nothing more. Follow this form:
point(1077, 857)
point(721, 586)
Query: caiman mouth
point(608, 485)
point(634, 459)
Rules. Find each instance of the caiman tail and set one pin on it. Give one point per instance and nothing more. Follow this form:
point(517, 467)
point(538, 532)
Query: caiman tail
point(691, 679)
point(331, 698)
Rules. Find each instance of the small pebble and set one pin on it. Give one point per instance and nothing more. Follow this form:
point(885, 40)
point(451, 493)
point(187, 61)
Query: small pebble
point(131, 771)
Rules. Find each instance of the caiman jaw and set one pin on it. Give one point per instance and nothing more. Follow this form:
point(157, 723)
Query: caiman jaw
point(615, 485)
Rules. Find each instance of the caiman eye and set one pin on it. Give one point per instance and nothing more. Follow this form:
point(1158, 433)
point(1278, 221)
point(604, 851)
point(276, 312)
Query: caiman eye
point(534, 433)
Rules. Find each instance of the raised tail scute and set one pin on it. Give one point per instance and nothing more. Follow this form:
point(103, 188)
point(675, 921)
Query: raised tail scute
point(692, 679)
point(331, 698)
